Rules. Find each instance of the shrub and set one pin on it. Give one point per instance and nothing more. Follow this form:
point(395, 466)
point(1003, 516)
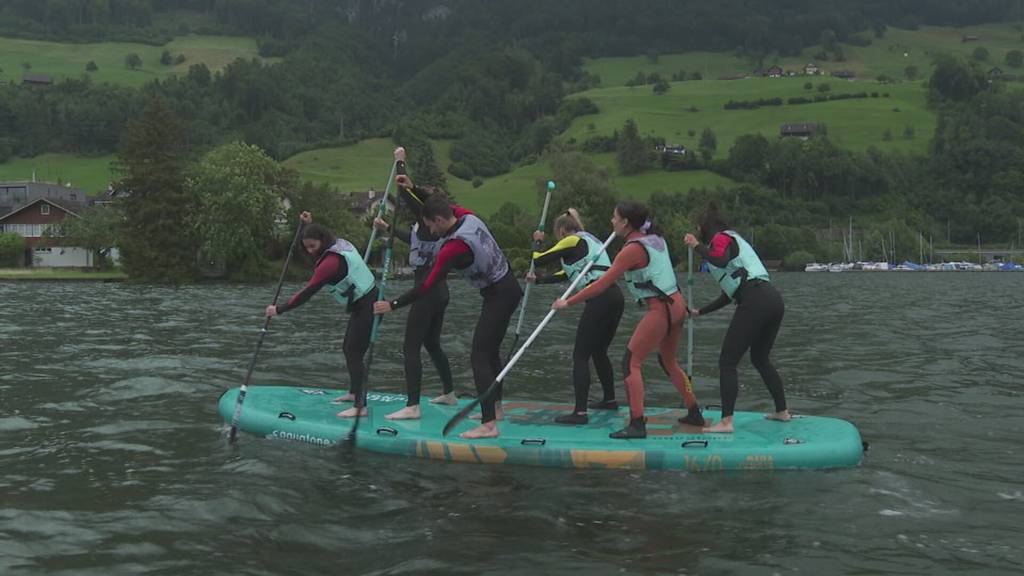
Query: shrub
point(477, 182)
point(796, 261)
point(12, 246)
point(460, 170)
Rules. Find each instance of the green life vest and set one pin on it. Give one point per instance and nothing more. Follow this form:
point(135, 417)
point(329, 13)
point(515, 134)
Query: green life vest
point(596, 254)
point(359, 279)
point(657, 279)
point(730, 277)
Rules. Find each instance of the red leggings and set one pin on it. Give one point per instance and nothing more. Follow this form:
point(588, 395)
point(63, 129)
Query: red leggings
point(660, 329)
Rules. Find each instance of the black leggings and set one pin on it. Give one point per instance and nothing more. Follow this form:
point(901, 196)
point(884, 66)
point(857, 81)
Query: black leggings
point(500, 302)
point(357, 341)
point(423, 330)
point(594, 334)
point(754, 326)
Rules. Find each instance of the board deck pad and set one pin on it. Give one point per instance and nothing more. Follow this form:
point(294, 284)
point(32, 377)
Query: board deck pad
point(529, 435)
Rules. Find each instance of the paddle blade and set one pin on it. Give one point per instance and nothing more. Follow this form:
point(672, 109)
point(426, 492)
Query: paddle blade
point(460, 416)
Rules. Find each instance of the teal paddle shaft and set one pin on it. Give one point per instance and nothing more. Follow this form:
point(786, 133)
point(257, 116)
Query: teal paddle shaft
point(259, 343)
point(461, 415)
point(381, 208)
point(536, 248)
point(375, 331)
point(689, 302)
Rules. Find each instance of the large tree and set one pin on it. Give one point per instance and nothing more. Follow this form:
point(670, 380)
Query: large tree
point(238, 191)
point(156, 239)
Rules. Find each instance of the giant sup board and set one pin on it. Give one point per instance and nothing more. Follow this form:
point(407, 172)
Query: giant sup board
point(529, 435)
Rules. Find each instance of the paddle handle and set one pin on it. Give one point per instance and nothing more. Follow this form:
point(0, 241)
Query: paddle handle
point(380, 211)
point(536, 247)
point(259, 343)
point(689, 302)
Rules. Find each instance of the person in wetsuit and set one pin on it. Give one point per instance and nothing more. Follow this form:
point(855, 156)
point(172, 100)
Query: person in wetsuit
point(340, 267)
point(468, 248)
point(601, 314)
point(644, 262)
point(758, 316)
point(426, 316)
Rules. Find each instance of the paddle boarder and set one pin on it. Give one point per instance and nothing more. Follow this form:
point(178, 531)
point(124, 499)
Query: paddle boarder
point(759, 310)
point(644, 262)
point(341, 269)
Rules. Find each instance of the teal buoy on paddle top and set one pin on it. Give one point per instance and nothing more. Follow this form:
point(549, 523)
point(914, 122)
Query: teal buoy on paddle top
point(529, 435)
point(551, 184)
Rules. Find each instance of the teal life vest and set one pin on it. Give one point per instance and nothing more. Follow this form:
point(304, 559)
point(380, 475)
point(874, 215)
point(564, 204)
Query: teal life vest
point(359, 280)
point(596, 254)
point(731, 276)
point(657, 279)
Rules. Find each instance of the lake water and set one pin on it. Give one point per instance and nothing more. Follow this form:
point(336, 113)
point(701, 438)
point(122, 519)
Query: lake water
point(113, 459)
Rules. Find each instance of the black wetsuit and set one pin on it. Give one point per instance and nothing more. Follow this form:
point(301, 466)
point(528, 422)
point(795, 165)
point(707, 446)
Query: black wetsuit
point(500, 301)
point(754, 326)
point(330, 270)
point(596, 328)
point(426, 316)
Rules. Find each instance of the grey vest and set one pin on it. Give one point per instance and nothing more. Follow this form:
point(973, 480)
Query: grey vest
point(422, 253)
point(489, 262)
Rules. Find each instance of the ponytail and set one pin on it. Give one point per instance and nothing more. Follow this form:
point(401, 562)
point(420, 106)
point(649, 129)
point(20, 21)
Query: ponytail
point(569, 221)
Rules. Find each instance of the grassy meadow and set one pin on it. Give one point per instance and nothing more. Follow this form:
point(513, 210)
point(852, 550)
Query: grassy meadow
point(854, 123)
point(69, 60)
point(90, 173)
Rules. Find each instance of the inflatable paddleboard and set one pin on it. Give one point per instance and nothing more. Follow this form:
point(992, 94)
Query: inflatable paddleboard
point(529, 435)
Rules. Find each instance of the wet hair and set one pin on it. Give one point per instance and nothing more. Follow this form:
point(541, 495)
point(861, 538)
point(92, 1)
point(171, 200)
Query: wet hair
point(569, 221)
point(321, 233)
point(432, 191)
point(710, 222)
point(638, 216)
point(437, 206)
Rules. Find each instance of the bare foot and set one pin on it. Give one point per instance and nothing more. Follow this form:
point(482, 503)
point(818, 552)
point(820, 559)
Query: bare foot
point(448, 399)
point(344, 398)
point(499, 414)
point(783, 416)
point(407, 413)
point(488, 430)
point(723, 426)
point(351, 412)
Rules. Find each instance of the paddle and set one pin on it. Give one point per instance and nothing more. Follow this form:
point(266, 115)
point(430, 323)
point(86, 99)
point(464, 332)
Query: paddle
point(689, 302)
point(381, 208)
point(461, 414)
point(259, 343)
point(375, 331)
point(536, 248)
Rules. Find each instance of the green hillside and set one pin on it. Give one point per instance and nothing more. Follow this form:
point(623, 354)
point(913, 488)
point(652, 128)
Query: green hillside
point(69, 60)
point(366, 165)
point(884, 55)
point(855, 123)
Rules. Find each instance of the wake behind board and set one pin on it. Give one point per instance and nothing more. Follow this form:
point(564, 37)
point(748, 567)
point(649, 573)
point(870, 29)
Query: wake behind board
point(529, 435)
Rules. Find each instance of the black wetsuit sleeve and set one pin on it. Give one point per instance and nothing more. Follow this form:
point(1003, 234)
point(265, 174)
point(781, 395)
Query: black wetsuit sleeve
point(556, 278)
point(453, 255)
point(716, 304)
